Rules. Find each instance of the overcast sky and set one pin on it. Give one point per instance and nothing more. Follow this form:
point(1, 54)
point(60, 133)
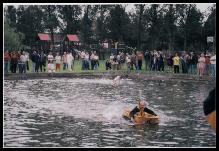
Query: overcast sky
point(202, 6)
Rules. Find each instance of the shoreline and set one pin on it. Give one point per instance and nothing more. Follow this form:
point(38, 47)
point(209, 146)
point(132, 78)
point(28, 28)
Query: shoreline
point(111, 74)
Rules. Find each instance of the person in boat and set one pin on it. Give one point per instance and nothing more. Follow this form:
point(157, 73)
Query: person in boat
point(141, 109)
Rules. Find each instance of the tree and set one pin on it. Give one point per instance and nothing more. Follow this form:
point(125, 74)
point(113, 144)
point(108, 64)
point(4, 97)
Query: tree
point(86, 26)
point(50, 19)
point(209, 28)
point(10, 13)
point(101, 22)
point(170, 19)
point(70, 15)
point(190, 24)
point(139, 11)
point(155, 15)
point(117, 24)
point(29, 22)
point(12, 39)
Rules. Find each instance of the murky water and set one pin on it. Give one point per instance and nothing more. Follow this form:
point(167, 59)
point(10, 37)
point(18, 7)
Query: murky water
point(66, 112)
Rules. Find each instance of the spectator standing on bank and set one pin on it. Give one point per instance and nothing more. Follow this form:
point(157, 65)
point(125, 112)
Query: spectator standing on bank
point(170, 62)
point(42, 62)
point(87, 61)
point(119, 61)
point(92, 61)
point(160, 62)
point(14, 61)
point(147, 59)
point(69, 61)
point(128, 61)
point(108, 64)
point(176, 60)
point(183, 63)
point(155, 61)
point(37, 61)
point(213, 65)
point(33, 59)
point(96, 61)
point(140, 58)
point(194, 62)
point(19, 62)
point(133, 61)
point(82, 55)
point(23, 60)
point(50, 63)
point(201, 65)
point(58, 62)
point(28, 59)
point(187, 59)
point(7, 59)
point(64, 60)
point(207, 64)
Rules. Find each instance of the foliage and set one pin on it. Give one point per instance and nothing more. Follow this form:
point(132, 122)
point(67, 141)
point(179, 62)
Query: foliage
point(12, 39)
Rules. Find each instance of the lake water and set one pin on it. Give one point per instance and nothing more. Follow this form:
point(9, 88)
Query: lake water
point(64, 112)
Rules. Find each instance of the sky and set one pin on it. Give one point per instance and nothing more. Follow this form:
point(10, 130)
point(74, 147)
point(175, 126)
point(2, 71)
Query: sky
point(202, 6)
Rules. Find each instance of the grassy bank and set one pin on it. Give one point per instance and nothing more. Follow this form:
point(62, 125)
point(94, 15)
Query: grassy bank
point(101, 68)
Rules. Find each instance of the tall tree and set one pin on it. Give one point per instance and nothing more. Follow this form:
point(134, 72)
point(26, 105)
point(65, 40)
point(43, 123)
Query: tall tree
point(12, 38)
point(170, 19)
point(155, 13)
point(50, 19)
point(140, 12)
point(209, 28)
point(117, 23)
point(10, 13)
point(29, 22)
point(101, 27)
point(70, 15)
point(86, 26)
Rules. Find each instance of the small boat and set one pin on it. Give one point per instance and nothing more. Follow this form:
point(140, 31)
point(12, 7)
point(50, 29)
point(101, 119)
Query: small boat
point(141, 119)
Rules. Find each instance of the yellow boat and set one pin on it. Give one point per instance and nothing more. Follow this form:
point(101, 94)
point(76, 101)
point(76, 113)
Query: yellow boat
point(141, 119)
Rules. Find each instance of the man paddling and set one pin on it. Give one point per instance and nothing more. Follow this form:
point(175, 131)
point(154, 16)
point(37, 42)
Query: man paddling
point(140, 110)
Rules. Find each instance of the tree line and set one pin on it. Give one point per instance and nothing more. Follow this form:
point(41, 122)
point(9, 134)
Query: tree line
point(146, 26)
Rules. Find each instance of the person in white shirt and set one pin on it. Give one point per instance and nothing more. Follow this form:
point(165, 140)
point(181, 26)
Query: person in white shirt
point(213, 65)
point(111, 58)
point(82, 55)
point(28, 58)
point(58, 61)
point(51, 67)
point(96, 59)
point(23, 60)
point(87, 61)
point(69, 61)
point(128, 61)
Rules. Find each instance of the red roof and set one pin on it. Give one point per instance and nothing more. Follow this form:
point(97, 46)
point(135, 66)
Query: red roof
point(44, 36)
point(73, 38)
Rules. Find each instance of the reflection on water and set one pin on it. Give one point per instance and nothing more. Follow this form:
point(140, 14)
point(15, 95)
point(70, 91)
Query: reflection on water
point(87, 113)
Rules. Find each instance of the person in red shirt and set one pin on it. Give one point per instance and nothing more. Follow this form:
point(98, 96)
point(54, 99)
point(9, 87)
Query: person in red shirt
point(140, 58)
point(14, 61)
point(7, 59)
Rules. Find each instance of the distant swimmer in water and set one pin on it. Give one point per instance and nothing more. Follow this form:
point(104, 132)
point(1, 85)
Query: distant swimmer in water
point(116, 81)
